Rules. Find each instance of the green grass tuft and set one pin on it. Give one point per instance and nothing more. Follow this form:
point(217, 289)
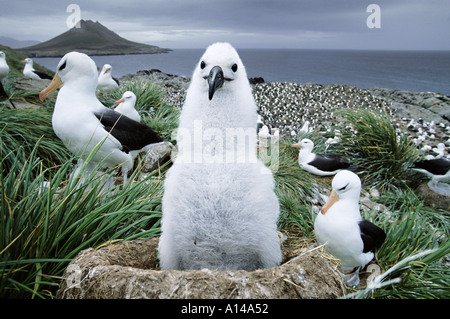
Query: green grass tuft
point(44, 227)
point(380, 153)
point(21, 130)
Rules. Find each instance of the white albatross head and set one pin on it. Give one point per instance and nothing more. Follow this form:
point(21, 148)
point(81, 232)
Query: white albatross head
point(28, 62)
point(128, 98)
point(305, 144)
point(346, 185)
point(107, 68)
point(74, 68)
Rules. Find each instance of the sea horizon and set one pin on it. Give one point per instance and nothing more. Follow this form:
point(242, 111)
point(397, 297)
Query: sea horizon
point(409, 70)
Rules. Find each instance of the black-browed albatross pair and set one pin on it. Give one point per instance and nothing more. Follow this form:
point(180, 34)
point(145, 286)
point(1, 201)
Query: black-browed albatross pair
point(81, 121)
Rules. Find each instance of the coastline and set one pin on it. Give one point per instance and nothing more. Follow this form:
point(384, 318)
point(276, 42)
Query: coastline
point(423, 116)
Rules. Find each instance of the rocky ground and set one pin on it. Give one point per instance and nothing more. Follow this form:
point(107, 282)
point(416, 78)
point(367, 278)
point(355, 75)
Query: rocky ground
point(424, 116)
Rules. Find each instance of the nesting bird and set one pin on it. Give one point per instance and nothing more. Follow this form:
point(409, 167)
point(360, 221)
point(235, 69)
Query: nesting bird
point(30, 72)
point(82, 122)
point(125, 106)
point(321, 164)
point(439, 171)
point(106, 81)
point(4, 70)
point(219, 206)
point(340, 226)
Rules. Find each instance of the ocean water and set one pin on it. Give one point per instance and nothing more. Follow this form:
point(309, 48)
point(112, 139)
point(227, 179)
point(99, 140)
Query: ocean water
point(420, 71)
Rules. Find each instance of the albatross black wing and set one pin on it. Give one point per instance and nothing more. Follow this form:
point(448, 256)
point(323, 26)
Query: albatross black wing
point(371, 235)
point(116, 80)
point(437, 166)
point(329, 162)
point(131, 134)
point(42, 75)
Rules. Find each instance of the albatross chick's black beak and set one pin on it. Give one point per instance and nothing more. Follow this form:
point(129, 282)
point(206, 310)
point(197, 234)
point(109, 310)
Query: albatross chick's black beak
point(215, 80)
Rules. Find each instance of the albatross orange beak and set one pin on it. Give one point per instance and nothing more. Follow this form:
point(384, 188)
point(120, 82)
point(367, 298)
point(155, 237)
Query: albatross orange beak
point(119, 101)
point(54, 84)
point(331, 200)
point(299, 144)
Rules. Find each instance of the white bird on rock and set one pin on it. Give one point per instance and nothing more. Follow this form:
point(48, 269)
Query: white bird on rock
point(219, 206)
point(30, 72)
point(4, 70)
point(125, 106)
point(82, 122)
point(439, 171)
point(321, 164)
point(106, 81)
point(340, 226)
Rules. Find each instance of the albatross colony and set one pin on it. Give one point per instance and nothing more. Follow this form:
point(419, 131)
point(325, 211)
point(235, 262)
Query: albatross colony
point(82, 122)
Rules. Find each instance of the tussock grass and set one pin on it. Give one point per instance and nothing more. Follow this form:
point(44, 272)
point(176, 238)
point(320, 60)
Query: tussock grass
point(44, 227)
point(21, 130)
point(296, 189)
point(381, 154)
point(412, 229)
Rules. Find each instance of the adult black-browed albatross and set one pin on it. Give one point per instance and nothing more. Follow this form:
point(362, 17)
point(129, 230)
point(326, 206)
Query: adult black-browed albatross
point(322, 164)
point(105, 79)
point(340, 226)
point(82, 122)
point(30, 72)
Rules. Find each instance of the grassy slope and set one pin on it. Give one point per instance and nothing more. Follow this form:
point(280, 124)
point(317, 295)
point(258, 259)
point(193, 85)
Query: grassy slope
point(13, 59)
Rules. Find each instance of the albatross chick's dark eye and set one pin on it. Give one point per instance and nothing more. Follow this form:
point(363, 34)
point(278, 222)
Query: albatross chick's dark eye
point(202, 65)
point(234, 67)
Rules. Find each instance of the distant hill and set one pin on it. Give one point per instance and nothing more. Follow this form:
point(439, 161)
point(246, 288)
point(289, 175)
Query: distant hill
point(91, 38)
point(14, 43)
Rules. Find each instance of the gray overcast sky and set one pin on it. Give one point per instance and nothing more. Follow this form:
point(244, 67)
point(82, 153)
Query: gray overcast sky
point(319, 24)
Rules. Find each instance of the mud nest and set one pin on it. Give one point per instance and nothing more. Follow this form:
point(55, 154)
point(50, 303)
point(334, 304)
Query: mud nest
point(130, 270)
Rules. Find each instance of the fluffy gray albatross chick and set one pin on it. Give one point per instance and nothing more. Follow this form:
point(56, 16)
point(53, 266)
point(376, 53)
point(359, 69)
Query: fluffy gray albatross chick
point(219, 206)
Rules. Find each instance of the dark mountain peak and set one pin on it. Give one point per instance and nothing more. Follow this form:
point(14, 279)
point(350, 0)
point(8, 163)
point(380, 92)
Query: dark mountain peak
point(92, 38)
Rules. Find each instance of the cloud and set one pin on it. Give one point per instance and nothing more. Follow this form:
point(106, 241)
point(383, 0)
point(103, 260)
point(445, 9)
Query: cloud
point(251, 23)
